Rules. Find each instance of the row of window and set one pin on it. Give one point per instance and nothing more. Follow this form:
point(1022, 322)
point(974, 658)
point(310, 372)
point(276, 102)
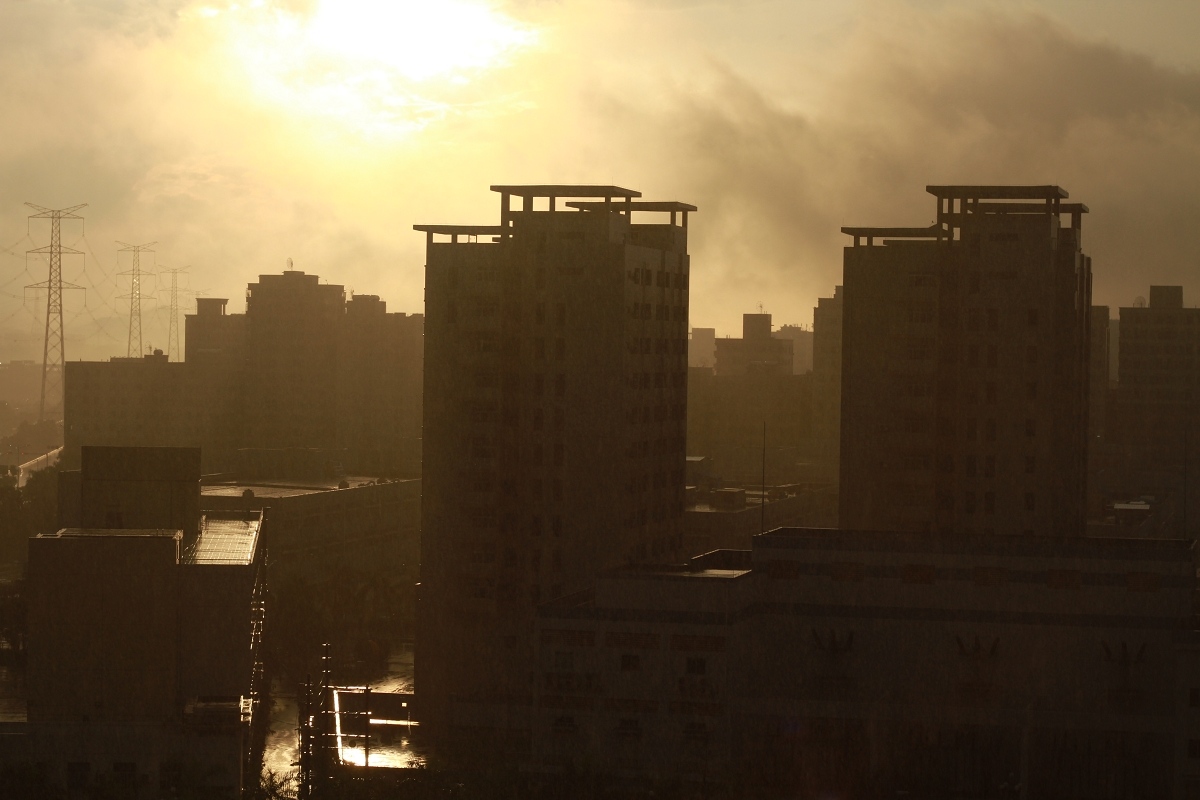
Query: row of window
point(970, 506)
point(661, 312)
point(644, 277)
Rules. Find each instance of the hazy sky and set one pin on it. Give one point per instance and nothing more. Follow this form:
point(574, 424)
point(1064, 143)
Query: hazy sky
point(237, 135)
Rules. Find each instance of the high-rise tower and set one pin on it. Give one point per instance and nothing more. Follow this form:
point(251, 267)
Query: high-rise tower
point(965, 367)
point(554, 433)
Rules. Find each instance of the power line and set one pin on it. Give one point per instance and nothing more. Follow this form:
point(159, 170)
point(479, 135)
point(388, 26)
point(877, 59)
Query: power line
point(53, 354)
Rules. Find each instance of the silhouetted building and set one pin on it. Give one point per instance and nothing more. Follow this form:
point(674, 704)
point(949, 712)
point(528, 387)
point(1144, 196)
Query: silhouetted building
point(555, 402)
point(827, 383)
point(802, 346)
point(757, 352)
point(864, 664)
point(726, 415)
point(1154, 430)
point(144, 666)
point(1099, 400)
point(702, 347)
point(305, 374)
point(965, 367)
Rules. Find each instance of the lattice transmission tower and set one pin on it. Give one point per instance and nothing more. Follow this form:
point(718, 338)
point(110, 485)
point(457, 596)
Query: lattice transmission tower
point(173, 351)
point(53, 349)
point(134, 347)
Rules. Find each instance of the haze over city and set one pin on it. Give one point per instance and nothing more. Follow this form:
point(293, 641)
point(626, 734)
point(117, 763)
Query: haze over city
point(238, 135)
point(638, 399)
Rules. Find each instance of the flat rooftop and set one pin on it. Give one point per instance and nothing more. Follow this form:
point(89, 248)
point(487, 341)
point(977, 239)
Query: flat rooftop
point(123, 533)
point(565, 190)
point(225, 539)
point(999, 192)
point(284, 488)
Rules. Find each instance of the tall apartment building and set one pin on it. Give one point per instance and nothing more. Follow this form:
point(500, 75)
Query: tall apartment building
point(555, 404)
point(965, 367)
point(827, 382)
point(1155, 431)
point(757, 352)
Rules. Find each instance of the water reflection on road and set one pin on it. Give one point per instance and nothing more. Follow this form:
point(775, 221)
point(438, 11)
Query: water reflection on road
point(391, 745)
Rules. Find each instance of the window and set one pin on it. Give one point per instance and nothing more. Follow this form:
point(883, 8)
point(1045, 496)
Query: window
point(560, 348)
point(1033, 316)
point(556, 528)
point(629, 729)
point(1030, 501)
point(1031, 427)
point(630, 662)
point(973, 319)
point(560, 385)
point(539, 313)
point(969, 503)
point(539, 348)
point(991, 430)
point(990, 392)
point(970, 466)
point(564, 661)
point(696, 666)
point(560, 314)
point(993, 319)
point(537, 419)
point(1030, 464)
point(1031, 354)
point(973, 356)
point(1031, 390)
point(971, 430)
point(989, 502)
point(1194, 698)
point(1193, 748)
point(989, 467)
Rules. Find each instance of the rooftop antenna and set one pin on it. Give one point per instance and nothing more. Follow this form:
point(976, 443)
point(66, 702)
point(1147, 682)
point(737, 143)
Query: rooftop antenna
point(289, 266)
point(760, 310)
point(134, 347)
point(53, 349)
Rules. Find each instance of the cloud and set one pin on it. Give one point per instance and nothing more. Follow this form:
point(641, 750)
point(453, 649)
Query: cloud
point(951, 98)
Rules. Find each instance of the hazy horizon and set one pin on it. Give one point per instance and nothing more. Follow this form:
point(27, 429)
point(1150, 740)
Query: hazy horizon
point(240, 135)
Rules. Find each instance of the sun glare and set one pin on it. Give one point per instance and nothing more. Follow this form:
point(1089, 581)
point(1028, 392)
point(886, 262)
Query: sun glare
point(418, 38)
point(376, 65)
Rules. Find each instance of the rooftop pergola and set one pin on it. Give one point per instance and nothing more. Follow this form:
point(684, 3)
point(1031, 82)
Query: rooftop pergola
point(957, 203)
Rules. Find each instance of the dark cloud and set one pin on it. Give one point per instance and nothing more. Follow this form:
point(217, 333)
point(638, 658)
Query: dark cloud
point(984, 98)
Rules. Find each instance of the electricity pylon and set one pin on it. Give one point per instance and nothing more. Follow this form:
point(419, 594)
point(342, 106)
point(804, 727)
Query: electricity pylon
point(173, 353)
point(53, 348)
point(134, 347)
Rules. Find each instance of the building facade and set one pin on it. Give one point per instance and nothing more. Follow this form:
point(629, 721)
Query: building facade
point(1154, 432)
point(305, 375)
point(964, 402)
point(555, 404)
point(827, 383)
point(842, 663)
point(757, 352)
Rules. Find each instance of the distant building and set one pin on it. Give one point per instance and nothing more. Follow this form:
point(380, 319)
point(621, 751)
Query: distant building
point(144, 661)
point(827, 383)
point(726, 418)
point(305, 374)
point(844, 663)
point(1155, 431)
point(702, 347)
point(802, 346)
point(1099, 400)
point(555, 400)
point(965, 367)
point(757, 352)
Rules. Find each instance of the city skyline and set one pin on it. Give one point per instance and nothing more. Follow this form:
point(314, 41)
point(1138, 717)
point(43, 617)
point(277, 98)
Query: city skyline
point(235, 162)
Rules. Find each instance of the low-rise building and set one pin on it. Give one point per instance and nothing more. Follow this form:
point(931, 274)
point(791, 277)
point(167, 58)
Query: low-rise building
point(852, 663)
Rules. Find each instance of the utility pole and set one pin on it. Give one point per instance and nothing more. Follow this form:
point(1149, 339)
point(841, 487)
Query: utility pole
point(134, 348)
point(173, 351)
point(53, 349)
